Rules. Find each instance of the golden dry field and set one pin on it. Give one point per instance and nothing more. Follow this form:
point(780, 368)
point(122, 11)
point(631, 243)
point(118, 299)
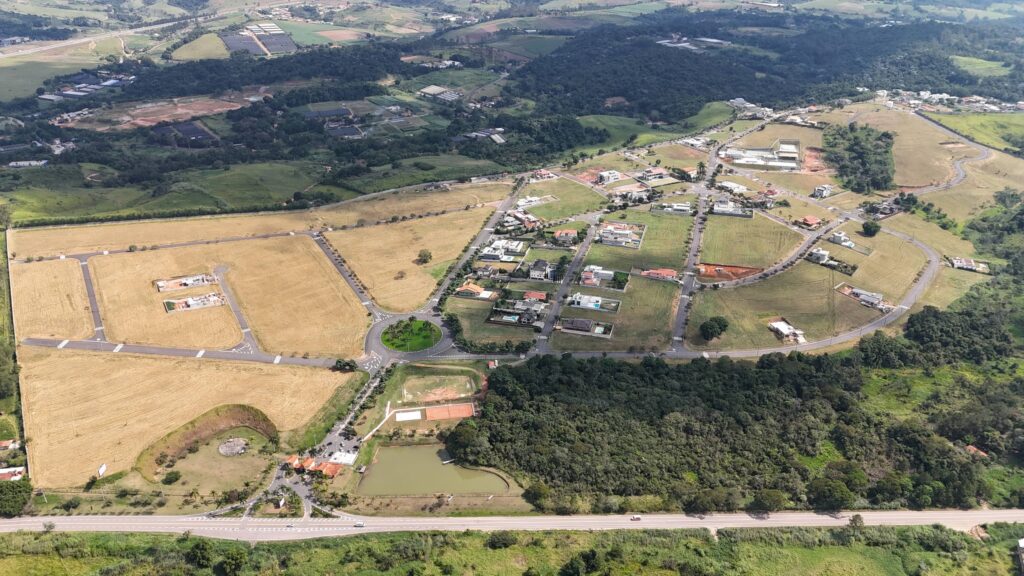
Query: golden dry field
point(56, 240)
point(890, 268)
point(384, 257)
point(294, 300)
point(975, 194)
point(84, 409)
point(50, 301)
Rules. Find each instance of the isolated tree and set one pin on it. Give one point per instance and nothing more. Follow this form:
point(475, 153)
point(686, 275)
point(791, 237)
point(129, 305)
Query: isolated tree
point(424, 256)
point(713, 327)
point(702, 169)
point(171, 477)
point(870, 228)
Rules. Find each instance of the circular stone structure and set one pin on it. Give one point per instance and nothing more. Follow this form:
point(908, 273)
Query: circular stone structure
point(411, 335)
point(233, 447)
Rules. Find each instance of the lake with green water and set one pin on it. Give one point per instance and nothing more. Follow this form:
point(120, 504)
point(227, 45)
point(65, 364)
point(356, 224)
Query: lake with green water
point(414, 470)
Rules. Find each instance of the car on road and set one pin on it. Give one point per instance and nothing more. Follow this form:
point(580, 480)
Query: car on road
point(290, 526)
point(635, 518)
point(360, 524)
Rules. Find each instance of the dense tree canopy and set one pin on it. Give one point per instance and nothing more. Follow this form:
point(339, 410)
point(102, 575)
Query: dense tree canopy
point(862, 157)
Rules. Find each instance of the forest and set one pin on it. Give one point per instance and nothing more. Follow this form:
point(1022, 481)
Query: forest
point(34, 27)
point(862, 157)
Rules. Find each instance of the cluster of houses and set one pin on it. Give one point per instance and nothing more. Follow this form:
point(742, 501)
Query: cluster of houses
point(516, 219)
point(529, 310)
point(326, 468)
point(440, 93)
point(86, 84)
point(972, 103)
point(746, 110)
point(783, 154)
point(594, 275)
point(504, 251)
point(622, 234)
point(493, 134)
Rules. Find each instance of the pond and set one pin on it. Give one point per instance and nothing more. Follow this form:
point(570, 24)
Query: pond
point(415, 470)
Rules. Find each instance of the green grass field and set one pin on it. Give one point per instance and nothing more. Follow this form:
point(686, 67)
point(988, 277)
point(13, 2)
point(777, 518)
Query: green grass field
point(800, 294)
point(756, 242)
point(447, 167)
point(643, 321)
point(890, 268)
point(411, 336)
point(529, 45)
point(988, 129)
point(206, 47)
point(309, 33)
point(473, 316)
point(664, 246)
point(981, 68)
point(461, 79)
point(621, 127)
point(573, 199)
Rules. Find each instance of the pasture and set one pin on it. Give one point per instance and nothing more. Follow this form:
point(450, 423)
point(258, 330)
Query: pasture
point(206, 47)
point(50, 301)
point(643, 321)
point(290, 293)
point(664, 245)
point(756, 242)
point(981, 67)
point(800, 294)
point(385, 258)
point(52, 241)
point(573, 198)
point(991, 130)
point(85, 409)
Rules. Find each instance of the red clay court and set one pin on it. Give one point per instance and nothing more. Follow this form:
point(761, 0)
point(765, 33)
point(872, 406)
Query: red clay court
point(450, 411)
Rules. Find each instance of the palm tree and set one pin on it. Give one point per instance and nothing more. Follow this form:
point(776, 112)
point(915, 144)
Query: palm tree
point(702, 169)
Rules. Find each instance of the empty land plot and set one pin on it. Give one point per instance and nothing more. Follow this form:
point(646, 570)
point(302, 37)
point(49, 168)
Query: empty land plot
point(293, 299)
point(84, 409)
point(50, 301)
point(988, 129)
point(800, 294)
point(924, 154)
point(51, 241)
point(664, 245)
point(473, 314)
point(756, 242)
point(808, 137)
point(799, 183)
point(573, 199)
point(798, 208)
point(976, 194)
point(206, 47)
point(385, 257)
point(424, 383)
point(643, 321)
point(890, 268)
point(676, 156)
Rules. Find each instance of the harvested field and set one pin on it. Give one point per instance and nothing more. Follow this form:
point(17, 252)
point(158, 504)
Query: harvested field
point(448, 412)
point(384, 257)
point(291, 295)
point(50, 301)
point(342, 35)
point(85, 409)
point(51, 241)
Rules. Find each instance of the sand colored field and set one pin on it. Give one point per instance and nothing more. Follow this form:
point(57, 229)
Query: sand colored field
point(808, 137)
point(50, 300)
point(975, 194)
point(133, 115)
point(293, 299)
point(84, 409)
point(56, 240)
point(384, 257)
point(344, 35)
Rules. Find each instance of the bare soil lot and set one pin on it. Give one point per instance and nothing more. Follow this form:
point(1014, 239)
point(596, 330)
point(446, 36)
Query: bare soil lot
point(135, 115)
point(86, 409)
point(50, 301)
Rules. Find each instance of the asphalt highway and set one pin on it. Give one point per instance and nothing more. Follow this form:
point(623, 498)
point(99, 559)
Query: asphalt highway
point(269, 530)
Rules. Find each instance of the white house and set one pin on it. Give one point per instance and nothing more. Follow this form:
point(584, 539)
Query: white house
point(609, 176)
point(541, 270)
point(818, 256)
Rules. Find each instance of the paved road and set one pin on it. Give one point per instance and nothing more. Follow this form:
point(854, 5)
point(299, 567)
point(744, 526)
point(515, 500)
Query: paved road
point(959, 173)
point(268, 530)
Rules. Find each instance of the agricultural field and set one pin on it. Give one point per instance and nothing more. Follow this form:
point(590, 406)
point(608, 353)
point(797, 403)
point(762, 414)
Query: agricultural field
point(924, 154)
point(309, 33)
point(800, 294)
point(206, 47)
point(385, 258)
point(980, 67)
point(976, 194)
point(85, 409)
point(988, 129)
point(643, 321)
point(303, 307)
point(763, 138)
point(50, 300)
point(664, 245)
point(572, 199)
point(890, 268)
point(473, 316)
point(53, 241)
point(756, 242)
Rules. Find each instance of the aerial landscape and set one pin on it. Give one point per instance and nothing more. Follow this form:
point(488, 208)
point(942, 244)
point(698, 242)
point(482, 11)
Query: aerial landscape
point(544, 287)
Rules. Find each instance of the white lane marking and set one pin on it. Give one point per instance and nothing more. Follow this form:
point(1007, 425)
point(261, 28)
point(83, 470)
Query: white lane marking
point(277, 360)
point(118, 347)
point(63, 344)
point(98, 328)
point(83, 263)
point(200, 353)
point(245, 330)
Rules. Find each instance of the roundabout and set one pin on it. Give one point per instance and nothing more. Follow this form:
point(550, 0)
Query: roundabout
point(411, 335)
